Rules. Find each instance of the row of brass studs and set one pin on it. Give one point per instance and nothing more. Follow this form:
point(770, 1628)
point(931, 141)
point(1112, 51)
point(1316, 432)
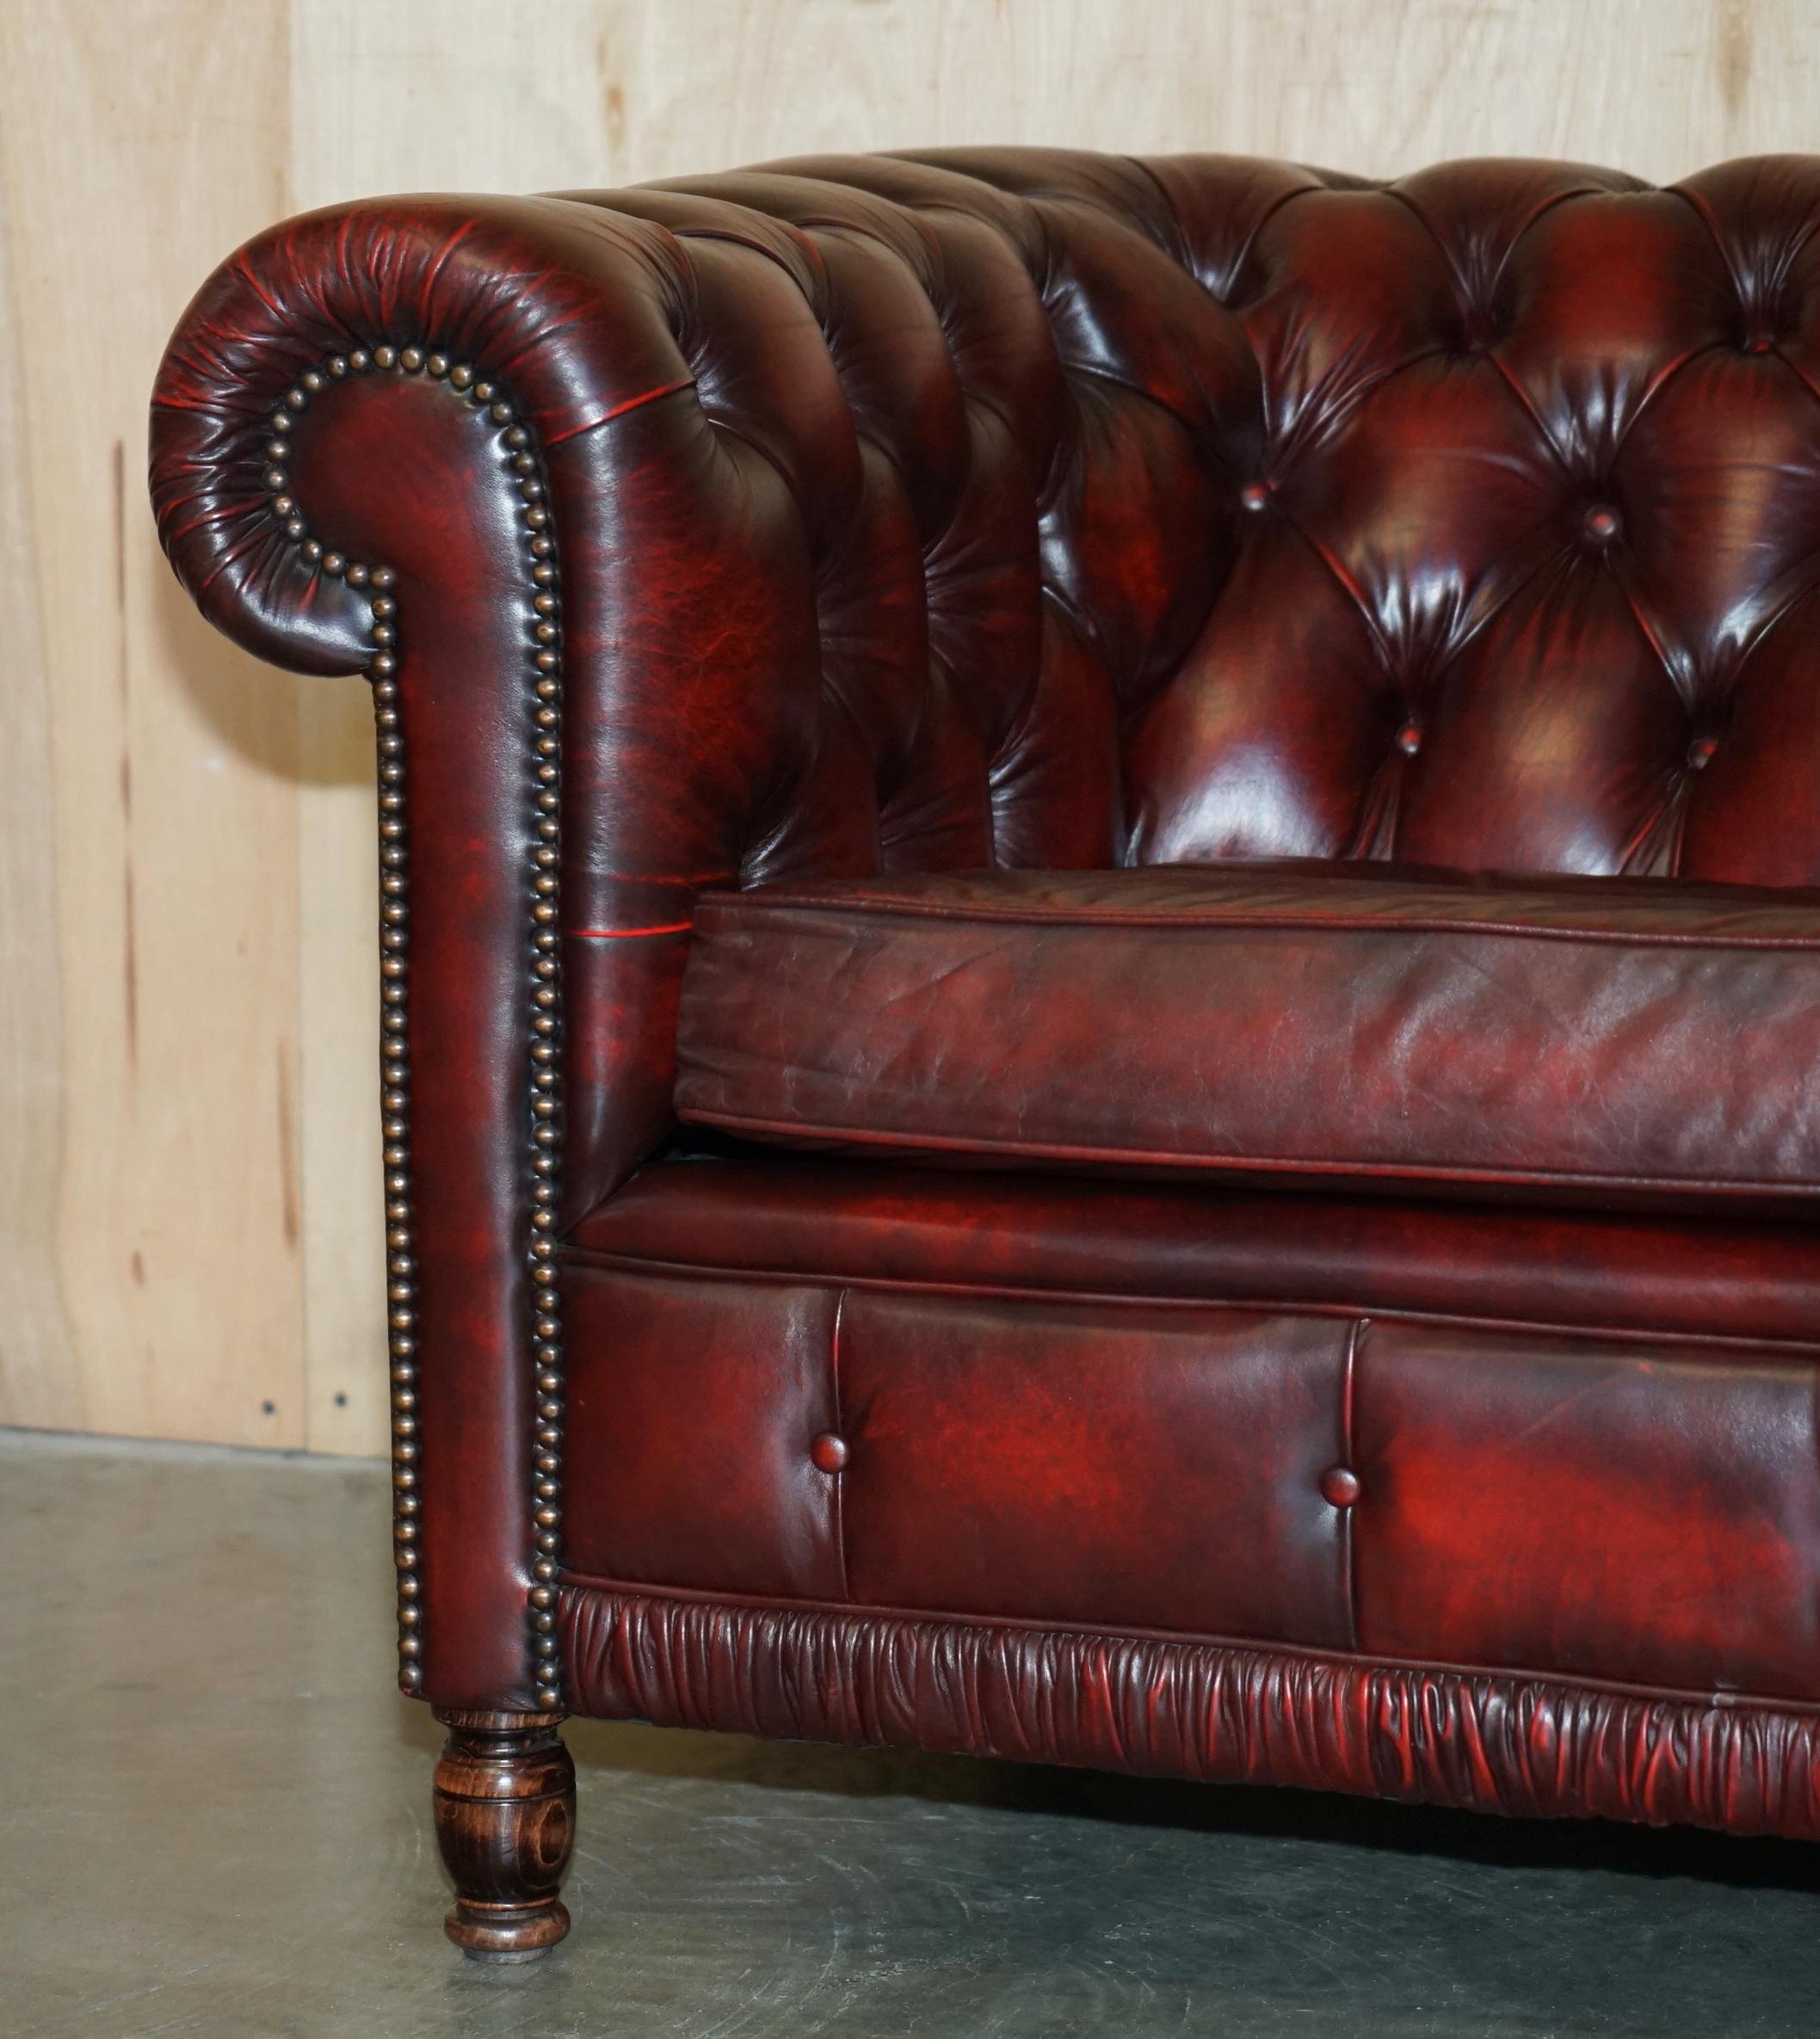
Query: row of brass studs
point(545, 1127)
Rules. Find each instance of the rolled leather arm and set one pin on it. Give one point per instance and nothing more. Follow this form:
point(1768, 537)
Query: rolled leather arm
point(457, 444)
point(296, 423)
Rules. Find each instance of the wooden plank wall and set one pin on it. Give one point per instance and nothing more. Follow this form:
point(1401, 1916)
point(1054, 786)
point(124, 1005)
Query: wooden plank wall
point(189, 1176)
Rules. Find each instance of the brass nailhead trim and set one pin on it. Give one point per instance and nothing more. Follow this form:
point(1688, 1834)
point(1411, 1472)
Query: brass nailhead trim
point(543, 985)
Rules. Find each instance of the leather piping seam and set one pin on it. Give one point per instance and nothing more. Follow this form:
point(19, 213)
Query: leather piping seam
point(620, 410)
point(543, 1114)
point(1348, 1377)
point(744, 905)
point(577, 1584)
point(588, 1260)
point(808, 1131)
point(838, 1478)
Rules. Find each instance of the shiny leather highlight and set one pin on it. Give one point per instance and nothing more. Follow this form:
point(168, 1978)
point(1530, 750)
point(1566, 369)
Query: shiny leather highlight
point(1705, 1278)
point(1094, 1464)
point(1049, 643)
point(1617, 1512)
point(1589, 1505)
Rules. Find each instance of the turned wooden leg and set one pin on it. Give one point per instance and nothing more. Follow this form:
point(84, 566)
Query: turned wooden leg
point(505, 1823)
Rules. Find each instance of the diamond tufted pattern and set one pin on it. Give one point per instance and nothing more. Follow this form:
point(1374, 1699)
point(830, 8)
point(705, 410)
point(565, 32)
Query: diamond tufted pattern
point(1510, 469)
point(1017, 509)
point(1468, 520)
point(1031, 509)
point(1202, 508)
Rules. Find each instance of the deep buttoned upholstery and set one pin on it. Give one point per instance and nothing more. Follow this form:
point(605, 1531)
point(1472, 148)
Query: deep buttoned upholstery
point(1031, 652)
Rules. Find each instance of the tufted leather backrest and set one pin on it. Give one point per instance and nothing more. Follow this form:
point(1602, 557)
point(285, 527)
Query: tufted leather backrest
point(1473, 519)
point(1044, 509)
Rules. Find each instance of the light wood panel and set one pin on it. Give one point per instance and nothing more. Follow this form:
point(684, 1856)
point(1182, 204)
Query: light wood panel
point(189, 1179)
point(150, 1173)
point(35, 1342)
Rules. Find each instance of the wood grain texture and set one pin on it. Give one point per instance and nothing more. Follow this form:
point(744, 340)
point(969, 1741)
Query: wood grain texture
point(504, 1804)
point(190, 1184)
point(35, 1341)
point(161, 1187)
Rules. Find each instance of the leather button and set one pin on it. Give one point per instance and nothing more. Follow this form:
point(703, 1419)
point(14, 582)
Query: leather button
point(828, 1452)
point(1409, 738)
point(1603, 523)
point(1699, 753)
point(1255, 495)
point(1340, 1486)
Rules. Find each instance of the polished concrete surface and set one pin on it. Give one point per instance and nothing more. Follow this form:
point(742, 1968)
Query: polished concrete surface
point(215, 1814)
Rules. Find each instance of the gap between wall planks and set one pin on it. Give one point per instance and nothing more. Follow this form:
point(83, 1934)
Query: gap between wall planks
point(189, 1202)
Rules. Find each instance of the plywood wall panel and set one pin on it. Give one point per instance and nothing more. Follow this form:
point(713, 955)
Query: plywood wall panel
point(136, 142)
point(188, 1186)
point(37, 1382)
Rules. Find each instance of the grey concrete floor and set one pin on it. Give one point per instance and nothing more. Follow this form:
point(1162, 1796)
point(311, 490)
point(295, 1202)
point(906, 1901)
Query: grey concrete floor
point(215, 1822)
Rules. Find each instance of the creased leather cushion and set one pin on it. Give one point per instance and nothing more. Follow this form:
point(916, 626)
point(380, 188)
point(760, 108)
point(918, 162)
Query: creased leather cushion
point(1290, 1017)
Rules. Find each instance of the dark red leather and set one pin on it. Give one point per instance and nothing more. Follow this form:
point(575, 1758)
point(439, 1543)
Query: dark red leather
point(1023, 510)
point(399, 474)
point(1059, 510)
point(1590, 1503)
point(1620, 1511)
point(1497, 1743)
point(1707, 1279)
point(1087, 1463)
point(1121, 1466)
point(1282, 1018)
point(692, 1417)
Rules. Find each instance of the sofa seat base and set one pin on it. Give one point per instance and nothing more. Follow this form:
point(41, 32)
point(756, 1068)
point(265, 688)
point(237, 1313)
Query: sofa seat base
point(1488, 1741)
point(1558, 1037)
point(1706, 1277)
point(813, 1423)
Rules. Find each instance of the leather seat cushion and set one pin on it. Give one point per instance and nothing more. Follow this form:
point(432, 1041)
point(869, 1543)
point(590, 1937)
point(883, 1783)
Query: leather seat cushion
point(1542, 1036)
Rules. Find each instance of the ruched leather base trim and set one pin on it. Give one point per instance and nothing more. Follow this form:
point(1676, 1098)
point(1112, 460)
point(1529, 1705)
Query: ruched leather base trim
point(1501, 1744)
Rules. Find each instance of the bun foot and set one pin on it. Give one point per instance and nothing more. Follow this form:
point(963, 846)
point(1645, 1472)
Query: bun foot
point(503, 1934)
point(505, 1824)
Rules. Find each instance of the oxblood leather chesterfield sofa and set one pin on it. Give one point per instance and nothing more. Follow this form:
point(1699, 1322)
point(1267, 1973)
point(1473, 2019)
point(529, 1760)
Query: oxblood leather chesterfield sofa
point(1101, 963)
